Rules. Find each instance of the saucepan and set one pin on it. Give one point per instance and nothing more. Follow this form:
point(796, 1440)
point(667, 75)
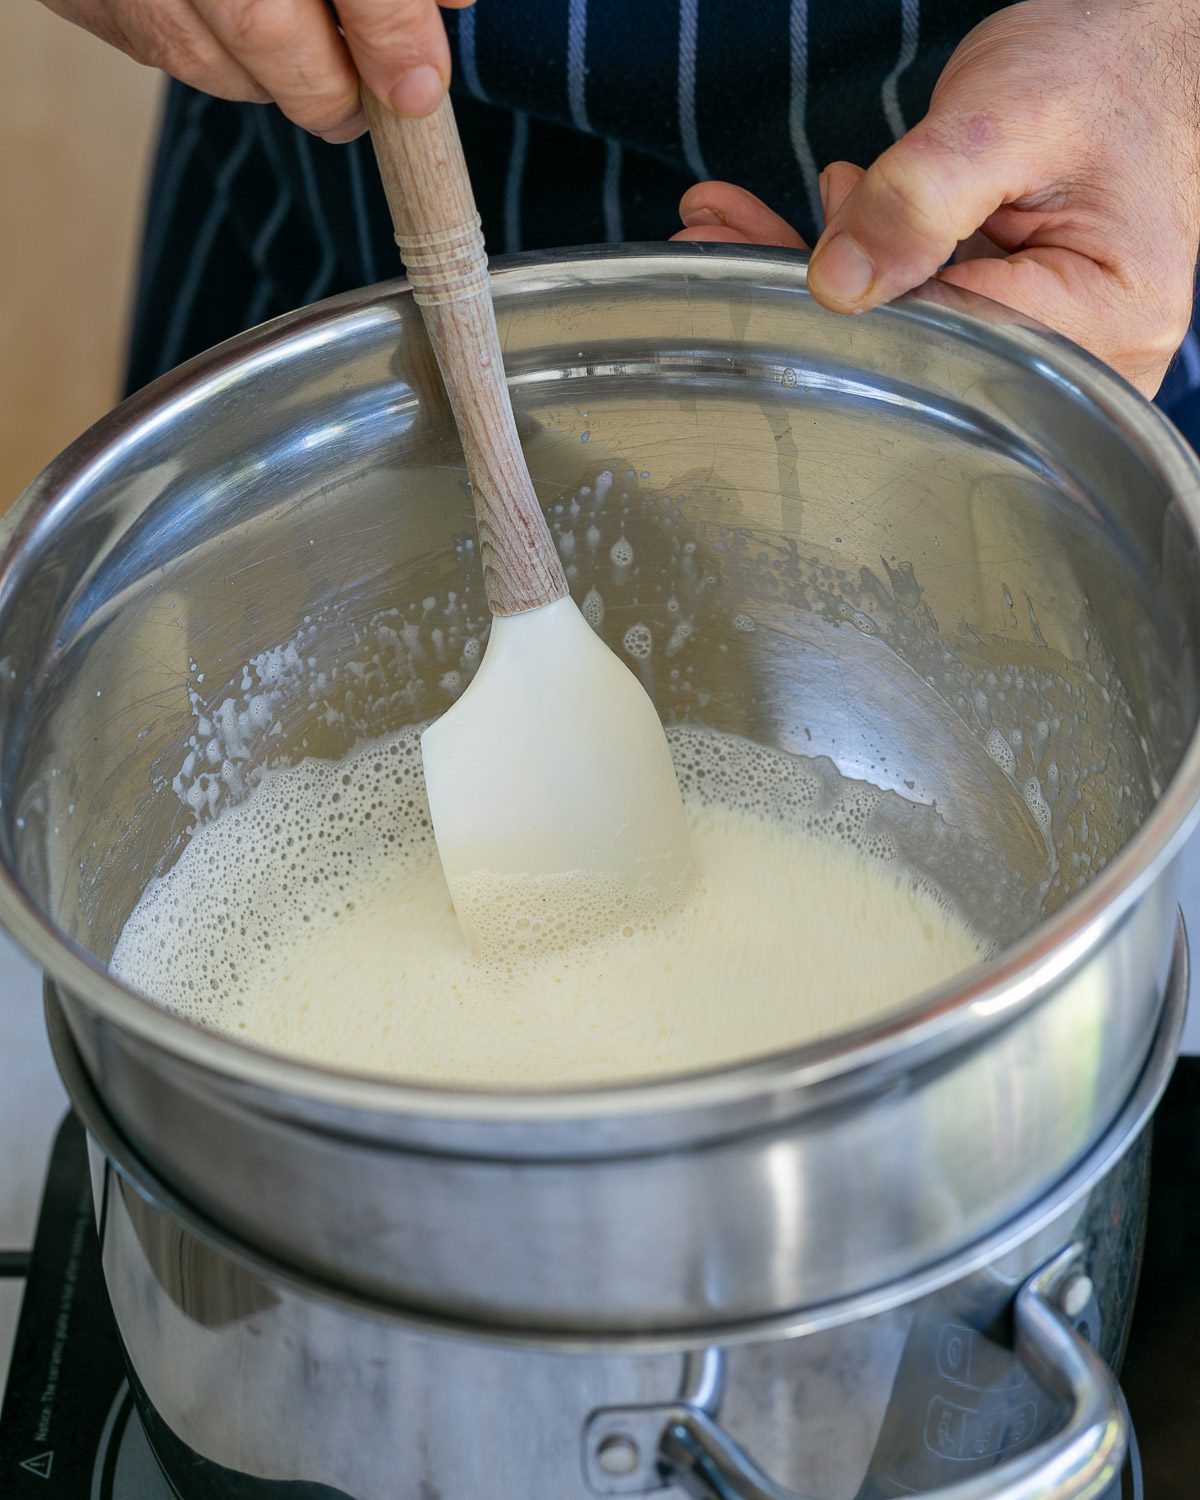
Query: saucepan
point(934, 549)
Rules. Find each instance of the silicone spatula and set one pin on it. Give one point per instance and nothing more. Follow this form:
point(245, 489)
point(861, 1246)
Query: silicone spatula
point(553, 762)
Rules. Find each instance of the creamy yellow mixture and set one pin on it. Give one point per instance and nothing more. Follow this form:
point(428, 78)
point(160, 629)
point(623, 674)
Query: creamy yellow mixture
point(313, 919)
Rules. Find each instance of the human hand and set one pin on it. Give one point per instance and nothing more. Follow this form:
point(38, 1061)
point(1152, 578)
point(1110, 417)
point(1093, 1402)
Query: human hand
point(289, 51)
point(1059, 165)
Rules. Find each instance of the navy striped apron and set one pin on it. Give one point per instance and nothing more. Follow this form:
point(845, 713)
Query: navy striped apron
point(583, 122)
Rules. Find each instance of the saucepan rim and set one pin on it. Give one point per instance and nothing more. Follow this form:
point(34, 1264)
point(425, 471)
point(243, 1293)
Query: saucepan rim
point(959, 1014)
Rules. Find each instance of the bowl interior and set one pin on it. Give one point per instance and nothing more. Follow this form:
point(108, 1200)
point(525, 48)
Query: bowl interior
point(929, 553)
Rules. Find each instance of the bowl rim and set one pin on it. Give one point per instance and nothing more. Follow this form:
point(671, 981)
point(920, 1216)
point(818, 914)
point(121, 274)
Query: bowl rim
point(959, 1014)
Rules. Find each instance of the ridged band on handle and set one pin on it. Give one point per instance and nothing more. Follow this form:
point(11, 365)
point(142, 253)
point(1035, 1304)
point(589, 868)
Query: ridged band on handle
point(446, 265)
point(437, 229)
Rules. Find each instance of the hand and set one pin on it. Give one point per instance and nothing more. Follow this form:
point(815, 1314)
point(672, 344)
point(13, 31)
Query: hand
point(289, 51)
point(1059, 165)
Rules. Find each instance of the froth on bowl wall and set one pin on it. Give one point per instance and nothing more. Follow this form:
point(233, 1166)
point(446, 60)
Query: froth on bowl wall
point(920, 612)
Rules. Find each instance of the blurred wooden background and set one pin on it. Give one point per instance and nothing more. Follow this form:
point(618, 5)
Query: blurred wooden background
point(77, 122)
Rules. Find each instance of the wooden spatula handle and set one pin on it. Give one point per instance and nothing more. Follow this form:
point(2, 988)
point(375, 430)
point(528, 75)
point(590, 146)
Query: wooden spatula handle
point(437, 229)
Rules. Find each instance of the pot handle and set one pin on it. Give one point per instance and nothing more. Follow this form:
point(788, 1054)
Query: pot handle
point(1079, 1462)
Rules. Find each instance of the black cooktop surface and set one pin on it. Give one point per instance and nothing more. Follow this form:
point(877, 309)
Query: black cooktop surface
point(69, 1431)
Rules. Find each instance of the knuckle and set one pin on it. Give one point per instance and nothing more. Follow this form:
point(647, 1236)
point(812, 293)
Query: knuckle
point(912, 188)
point(318, 98)
point(257, 25)
point(182, 51)
point(960, 134)
point(321, 100)
point(189, 52)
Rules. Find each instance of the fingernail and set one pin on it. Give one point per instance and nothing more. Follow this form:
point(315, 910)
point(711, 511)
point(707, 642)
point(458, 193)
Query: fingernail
point(841, 269)
point(418, 93)
point(699, 217)
point(348, 130)
point(823, 189)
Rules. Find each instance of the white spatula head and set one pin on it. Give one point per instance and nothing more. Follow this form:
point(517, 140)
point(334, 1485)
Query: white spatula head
point(551, 789)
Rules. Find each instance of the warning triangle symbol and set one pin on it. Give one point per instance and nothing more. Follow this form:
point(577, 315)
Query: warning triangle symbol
point(39, 1464)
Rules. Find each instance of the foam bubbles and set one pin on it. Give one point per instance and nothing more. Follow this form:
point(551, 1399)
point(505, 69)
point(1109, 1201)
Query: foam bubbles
point(1038, 806)
point(313, 919)
point(679, 637)
point(1000, 751)
point(638, 642)
point(621, 555)
point(287, 857)
point(522, 917)
point(592, 608)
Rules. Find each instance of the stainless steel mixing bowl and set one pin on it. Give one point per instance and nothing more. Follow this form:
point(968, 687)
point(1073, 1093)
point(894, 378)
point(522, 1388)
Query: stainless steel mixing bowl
point(935, 551)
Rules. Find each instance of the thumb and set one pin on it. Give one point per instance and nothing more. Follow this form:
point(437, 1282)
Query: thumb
point(917, 201)
point(400, 50)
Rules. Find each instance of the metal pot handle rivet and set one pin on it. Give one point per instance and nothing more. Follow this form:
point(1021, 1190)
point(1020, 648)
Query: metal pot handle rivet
point(617, 1455)
point(1078, 1462)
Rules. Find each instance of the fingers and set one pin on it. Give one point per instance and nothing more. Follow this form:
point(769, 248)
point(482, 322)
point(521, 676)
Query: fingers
point(724, 214)
point(904, 219)
point(984, 144)
point(293, 50)
point(169, 34)
point(401, 51)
